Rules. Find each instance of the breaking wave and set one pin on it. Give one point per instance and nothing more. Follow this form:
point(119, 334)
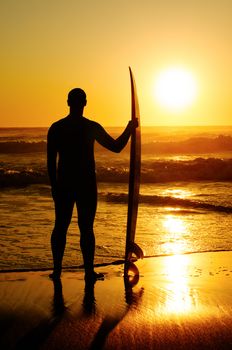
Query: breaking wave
point(199, 169)
point(192, 145)
point(167, 201)
point(158, 171)
point(16, 147)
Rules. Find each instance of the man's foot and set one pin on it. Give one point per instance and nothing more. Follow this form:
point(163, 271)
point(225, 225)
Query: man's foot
point(94, 276)
point(55, 275)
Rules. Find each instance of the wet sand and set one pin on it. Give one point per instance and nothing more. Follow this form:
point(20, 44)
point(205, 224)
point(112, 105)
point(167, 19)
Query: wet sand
point(179, 302)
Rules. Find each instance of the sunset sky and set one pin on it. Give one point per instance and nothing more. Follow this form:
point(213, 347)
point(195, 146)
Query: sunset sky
point(50, 46)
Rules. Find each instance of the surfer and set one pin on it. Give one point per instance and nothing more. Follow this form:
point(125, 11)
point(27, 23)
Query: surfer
point(73, 178)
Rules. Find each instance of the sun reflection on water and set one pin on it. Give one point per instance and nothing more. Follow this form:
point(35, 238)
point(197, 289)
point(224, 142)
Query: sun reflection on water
point(175, 228)
point(176, 193)
point(174, 225)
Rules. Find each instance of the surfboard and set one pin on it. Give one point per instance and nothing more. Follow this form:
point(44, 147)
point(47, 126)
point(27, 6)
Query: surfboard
point(134, 180)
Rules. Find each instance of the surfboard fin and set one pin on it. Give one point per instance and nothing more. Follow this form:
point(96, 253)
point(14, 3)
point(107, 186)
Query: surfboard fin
point(131, 274)
point(135, 249)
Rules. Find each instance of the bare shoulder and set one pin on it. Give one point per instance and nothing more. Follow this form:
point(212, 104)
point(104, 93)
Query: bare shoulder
point(88, 121)
point(57, 124)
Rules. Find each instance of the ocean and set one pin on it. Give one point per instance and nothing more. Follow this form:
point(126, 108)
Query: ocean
point(185, 197)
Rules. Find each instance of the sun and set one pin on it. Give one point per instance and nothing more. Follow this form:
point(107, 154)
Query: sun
point(175, 89)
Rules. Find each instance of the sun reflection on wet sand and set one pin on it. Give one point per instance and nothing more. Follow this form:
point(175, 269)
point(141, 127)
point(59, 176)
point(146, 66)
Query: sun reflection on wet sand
point(180, 298)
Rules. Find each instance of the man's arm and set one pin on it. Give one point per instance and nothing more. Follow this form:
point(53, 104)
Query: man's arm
point(51, 158)
point(110, 143)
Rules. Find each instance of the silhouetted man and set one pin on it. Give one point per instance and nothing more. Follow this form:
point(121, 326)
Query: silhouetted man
point(73, 179)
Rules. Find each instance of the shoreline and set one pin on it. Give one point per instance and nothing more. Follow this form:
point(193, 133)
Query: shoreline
point(179, 302)
point(119, 261)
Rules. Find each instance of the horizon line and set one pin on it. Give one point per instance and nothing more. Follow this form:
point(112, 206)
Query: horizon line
point(120, 126)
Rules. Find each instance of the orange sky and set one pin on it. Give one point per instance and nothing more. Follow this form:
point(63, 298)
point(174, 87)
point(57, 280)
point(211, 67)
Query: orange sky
point(49, 47)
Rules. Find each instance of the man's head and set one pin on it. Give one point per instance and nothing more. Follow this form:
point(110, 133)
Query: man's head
point(77, 98)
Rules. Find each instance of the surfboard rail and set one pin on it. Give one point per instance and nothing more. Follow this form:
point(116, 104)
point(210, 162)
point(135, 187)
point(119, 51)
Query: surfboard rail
point(134, 178)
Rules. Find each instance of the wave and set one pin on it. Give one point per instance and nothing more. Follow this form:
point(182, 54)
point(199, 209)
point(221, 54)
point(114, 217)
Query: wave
point(16, 147)
point(199, 169)
point(167, 201)
point(21, 178)
point(119, 261)
point(193, 145)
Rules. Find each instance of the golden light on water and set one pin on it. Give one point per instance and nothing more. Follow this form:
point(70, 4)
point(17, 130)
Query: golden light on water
point(174, 225)
point(175, 228)
point(177, 193)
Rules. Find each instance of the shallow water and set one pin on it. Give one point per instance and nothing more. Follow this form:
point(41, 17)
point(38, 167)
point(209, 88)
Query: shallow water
point(27, 220)
point(186, 207)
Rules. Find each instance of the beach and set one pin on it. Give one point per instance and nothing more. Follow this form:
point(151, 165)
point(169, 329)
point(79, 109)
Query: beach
point(183, 297)
point(180, 302)
point(158, 141)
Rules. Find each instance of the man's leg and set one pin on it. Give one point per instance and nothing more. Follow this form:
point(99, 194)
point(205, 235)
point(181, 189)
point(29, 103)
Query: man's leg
point(86, 207)
point(64, 203)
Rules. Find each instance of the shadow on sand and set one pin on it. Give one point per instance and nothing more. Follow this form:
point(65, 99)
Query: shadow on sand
point(131, 278)
point(37, 336)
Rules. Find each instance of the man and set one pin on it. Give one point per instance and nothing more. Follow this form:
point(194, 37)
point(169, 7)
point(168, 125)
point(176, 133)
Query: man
point(73, 180)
